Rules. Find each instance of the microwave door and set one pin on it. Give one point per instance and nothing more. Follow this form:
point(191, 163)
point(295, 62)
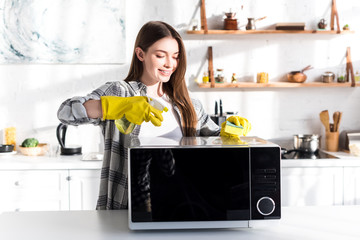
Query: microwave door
point(190, 184)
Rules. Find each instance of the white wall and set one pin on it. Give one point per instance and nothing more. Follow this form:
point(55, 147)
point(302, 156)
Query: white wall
point(31, 94)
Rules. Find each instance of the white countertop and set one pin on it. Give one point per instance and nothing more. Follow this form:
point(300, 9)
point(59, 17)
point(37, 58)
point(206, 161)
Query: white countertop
point(305, 223)
point(22, 162)
point(344, 160)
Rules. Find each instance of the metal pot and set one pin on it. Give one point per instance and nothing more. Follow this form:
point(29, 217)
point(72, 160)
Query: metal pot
point(328, 77)
point(307, 142)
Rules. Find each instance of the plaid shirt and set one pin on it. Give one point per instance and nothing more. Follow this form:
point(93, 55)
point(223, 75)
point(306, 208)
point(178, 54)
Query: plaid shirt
point(114, 174)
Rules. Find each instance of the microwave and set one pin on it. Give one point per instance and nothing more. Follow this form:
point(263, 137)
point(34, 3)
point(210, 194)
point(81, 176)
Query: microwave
point(202, 182)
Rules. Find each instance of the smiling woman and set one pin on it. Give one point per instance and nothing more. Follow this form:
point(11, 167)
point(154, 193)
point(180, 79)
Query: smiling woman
point(62, 31)
point(157, 71)
point(160, 61)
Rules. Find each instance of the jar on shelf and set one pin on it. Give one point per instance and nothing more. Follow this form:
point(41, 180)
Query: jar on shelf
point(357, 77)
point(262, 77)
point(233, 78)
point(219, 75)
point(341, 77)
point(10, 136)
point(194, 24)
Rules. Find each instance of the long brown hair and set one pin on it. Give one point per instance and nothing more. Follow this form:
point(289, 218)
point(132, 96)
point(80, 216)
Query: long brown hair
point(175, 88)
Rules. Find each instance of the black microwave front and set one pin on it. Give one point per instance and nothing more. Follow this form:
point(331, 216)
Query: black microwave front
point(203, 183)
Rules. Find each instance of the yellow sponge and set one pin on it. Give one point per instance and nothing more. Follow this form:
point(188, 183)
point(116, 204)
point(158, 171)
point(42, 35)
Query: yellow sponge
point(233, 129)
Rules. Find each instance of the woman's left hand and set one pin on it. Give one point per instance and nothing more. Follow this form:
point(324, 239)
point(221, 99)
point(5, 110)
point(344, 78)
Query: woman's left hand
point(234, 132)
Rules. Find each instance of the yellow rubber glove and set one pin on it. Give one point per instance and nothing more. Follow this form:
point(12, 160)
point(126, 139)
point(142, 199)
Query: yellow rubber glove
point(136, 109)
point(238, 121)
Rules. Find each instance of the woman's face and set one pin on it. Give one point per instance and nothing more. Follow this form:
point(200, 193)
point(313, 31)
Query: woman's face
point(159, 61)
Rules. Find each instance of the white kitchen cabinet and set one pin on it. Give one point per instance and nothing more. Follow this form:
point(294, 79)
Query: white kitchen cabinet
point(310, 186)
point(34, 190)
point(352, 185)
point(84, 189)
point(44, 183)
point(49, 190)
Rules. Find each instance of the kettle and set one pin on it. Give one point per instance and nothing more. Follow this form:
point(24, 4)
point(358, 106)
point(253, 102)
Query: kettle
point(66, 149)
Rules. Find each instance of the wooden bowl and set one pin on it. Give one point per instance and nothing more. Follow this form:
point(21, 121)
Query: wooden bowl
point(296, 77)
point(34, 151)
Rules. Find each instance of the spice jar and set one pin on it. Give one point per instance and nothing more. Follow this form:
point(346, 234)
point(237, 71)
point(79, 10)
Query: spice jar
point(194, 24)
point(262, 77)
point(357, 77)
point(10, 136)
point(233, 78)
point(219, 75)
point(328, 77)
point(341, 76)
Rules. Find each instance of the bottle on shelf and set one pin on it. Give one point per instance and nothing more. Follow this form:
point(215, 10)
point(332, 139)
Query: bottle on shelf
point(205, 78)
point(357, 77)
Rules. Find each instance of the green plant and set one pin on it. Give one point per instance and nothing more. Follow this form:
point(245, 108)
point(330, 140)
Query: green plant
point(30, 142)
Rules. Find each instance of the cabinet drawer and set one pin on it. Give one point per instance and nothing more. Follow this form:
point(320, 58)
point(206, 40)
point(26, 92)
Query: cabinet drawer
point(34, 190)
point(312, 186)
point(31, 179)
point(36, 205)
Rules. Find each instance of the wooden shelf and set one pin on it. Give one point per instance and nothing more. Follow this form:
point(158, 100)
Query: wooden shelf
point(276, 85)
point(239, 32)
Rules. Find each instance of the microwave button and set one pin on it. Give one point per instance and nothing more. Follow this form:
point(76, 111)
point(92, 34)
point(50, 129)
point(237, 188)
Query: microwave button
point(265, 206)
point(266, 176)
point(270, 176)
point(260, 171)
point(270, 170)
point(266, 182)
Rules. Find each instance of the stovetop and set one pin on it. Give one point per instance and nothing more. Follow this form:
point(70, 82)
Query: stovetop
point(288, 144)
point(307, 155)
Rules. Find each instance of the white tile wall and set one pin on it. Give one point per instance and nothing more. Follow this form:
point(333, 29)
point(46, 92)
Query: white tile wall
point(31, 94)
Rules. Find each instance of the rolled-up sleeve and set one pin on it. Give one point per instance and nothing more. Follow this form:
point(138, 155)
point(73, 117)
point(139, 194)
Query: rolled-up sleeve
point(205, 126)
point(73, 112)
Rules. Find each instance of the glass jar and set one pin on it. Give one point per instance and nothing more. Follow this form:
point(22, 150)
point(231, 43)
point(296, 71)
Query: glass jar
point(357, 77)
point(262, 77)
point(10, 136)
point(194, 24)
point(341, 77)
point(219, 75)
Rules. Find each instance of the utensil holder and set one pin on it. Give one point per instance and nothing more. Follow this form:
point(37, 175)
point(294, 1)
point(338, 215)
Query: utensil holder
point(332, 141)
point(218, 119)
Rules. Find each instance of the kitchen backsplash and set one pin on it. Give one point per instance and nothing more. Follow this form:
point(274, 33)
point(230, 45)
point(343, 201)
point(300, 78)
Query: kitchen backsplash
point(30, 94)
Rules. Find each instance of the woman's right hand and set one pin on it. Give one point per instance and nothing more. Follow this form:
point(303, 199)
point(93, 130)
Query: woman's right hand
point(136, 109)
